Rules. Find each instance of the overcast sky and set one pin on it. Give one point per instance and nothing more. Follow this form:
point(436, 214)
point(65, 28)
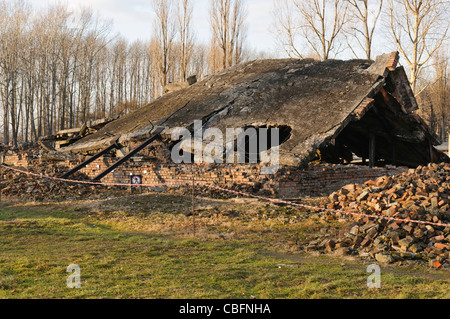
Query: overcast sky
point(133, 18)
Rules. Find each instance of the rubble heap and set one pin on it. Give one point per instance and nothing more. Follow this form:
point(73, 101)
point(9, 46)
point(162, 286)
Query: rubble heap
point(420, 194)
point(29, 187)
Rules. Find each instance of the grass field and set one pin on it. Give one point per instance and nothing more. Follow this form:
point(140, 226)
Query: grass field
point(144, 246)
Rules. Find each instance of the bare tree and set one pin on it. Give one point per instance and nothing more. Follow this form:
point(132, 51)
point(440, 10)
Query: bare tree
point(228, 29)
point(199, 62)
point(434, 98)
point(186, 38)
point(441, 91)
point(323, 21)
point(319, 22)
point(286, 28)
point(365, 22)
point(13, 27)
point(5, 78)
point(419, 28)
point(165, 33)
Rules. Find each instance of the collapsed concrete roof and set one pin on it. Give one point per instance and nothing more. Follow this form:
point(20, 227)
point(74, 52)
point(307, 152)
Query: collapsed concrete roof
point(318, 101)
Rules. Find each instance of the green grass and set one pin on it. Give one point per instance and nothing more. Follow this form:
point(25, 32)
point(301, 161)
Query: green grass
point(120, 258)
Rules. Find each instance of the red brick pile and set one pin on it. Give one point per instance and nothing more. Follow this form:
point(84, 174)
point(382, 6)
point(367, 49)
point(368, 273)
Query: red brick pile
point(420, 194)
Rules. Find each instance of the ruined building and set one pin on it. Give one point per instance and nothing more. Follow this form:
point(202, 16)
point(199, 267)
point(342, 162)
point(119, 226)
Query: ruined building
point(357, 112)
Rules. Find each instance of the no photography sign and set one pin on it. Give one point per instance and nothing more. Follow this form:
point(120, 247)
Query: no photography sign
point(136, 179)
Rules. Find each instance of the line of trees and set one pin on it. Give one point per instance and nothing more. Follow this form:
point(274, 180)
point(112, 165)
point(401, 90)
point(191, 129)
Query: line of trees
point(59, 69)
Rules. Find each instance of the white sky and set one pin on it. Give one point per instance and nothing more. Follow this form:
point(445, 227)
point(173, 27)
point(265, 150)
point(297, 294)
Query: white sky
point(133, 18)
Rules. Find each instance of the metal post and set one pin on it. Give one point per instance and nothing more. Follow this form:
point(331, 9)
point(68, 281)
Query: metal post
point(1, 179)
point(193, 203)
point(131, 186)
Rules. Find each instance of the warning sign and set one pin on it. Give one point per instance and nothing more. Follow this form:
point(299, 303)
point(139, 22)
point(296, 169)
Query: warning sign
point(136, 179)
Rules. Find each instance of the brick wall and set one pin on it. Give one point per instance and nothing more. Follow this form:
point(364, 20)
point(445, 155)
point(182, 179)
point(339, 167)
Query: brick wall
point(287, 182)
point(326, 178)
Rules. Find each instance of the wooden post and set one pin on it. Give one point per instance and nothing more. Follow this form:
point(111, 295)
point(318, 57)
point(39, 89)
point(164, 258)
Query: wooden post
point(372, 145)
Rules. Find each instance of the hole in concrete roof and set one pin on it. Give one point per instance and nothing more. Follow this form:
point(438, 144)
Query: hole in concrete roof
point(256, 139)
point(263, 140)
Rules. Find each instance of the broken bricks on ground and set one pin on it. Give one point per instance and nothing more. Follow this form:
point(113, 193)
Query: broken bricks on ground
point(413, 223)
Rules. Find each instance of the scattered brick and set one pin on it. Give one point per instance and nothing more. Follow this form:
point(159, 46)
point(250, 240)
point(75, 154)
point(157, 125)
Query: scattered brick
point(421, 194)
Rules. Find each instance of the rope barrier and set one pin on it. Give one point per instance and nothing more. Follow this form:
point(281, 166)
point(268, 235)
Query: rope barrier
point(330, 210)
point(276, 200)
point(89, 182)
